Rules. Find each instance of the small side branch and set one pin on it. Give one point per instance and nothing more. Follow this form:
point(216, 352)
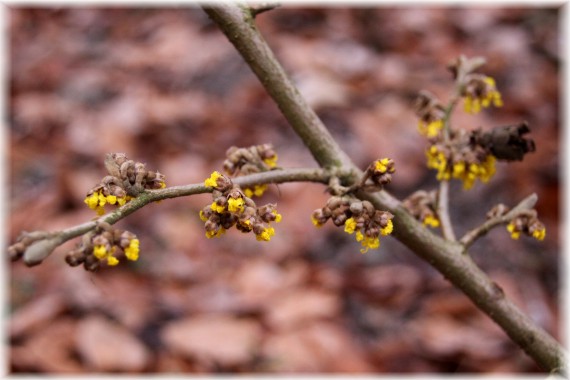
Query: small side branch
point(443, 211)
point(525, 205)
point(256, 9)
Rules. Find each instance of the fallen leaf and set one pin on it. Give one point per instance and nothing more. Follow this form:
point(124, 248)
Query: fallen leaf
point(300, 306)
point(107, 346)
point(218, 339)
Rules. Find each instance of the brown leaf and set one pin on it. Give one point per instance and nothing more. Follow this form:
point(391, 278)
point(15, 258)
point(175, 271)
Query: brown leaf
point(49, 350)
point(442, 336)
point(300, 306)
point(107, 346)
point(223, 340)
point(36, 314)
point(320, 346)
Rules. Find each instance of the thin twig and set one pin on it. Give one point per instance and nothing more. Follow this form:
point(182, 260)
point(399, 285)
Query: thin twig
point(525, 205)
point(443, 211)
point(443, 193)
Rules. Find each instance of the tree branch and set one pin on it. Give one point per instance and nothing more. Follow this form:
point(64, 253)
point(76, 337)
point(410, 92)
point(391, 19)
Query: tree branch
point(236, 23)
point(44, 242)
point(525, 205)
point(443, 210)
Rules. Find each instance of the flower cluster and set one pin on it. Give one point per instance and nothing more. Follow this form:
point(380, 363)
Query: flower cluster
point(104, 245)
point(528, 225)
point(126, 180)
point(358, 217)
point(431, 114)
point(379, 173)
point(525, 222)
point(232, 207)
point(464, 162)
point(254, 159)
point(422, 206)
point(478, 90)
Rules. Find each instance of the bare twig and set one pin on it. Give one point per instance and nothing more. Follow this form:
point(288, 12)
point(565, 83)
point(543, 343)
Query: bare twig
point(525, 205)
point(443, 193)
point(446, 256)
point(443, 210)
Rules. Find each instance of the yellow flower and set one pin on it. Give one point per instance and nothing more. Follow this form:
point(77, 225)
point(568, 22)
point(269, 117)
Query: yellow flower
point(111, 199)
point(539, 234)
point(112, 261)
point(431, 221)
point(458, 169)
point(266, 234)
point(213, 180)
point(218, 233)
point(100, 252)
point(271, 161)
point(368, 242)
point(381, 165)
point(217, 208)
point(512, 229)
point(489, 96)
point(350, 225)
point(162, 184)
point(92, 201)
point(278, 217)
point(388, 229)
point(437, 160)
point(316, 222)
point(235, 204)
point(132, 251)
point(258, 191)
point(123, 200)
point(430, 129)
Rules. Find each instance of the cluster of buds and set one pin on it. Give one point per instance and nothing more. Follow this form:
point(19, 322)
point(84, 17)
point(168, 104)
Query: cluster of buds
point(461, 158)
point(526, 222)
point(469, 156)
point(254, 159)
point(104, 245)
point(422, 206)
point(478, 90)
point(232, 207)
point(431, 113)
point(379, 172)
point(126, 180)
point(358, 217)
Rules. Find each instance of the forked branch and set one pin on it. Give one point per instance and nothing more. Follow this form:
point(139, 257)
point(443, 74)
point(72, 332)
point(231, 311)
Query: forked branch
point(237, 23)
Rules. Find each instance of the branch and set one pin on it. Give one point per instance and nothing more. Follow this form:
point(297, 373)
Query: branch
point(44, 243)
point(236, 23)
point(443, 193)
point(525, 205)
point(443, 210)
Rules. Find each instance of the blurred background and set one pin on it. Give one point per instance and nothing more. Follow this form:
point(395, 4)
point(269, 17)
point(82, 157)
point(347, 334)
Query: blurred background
point(164, 86)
